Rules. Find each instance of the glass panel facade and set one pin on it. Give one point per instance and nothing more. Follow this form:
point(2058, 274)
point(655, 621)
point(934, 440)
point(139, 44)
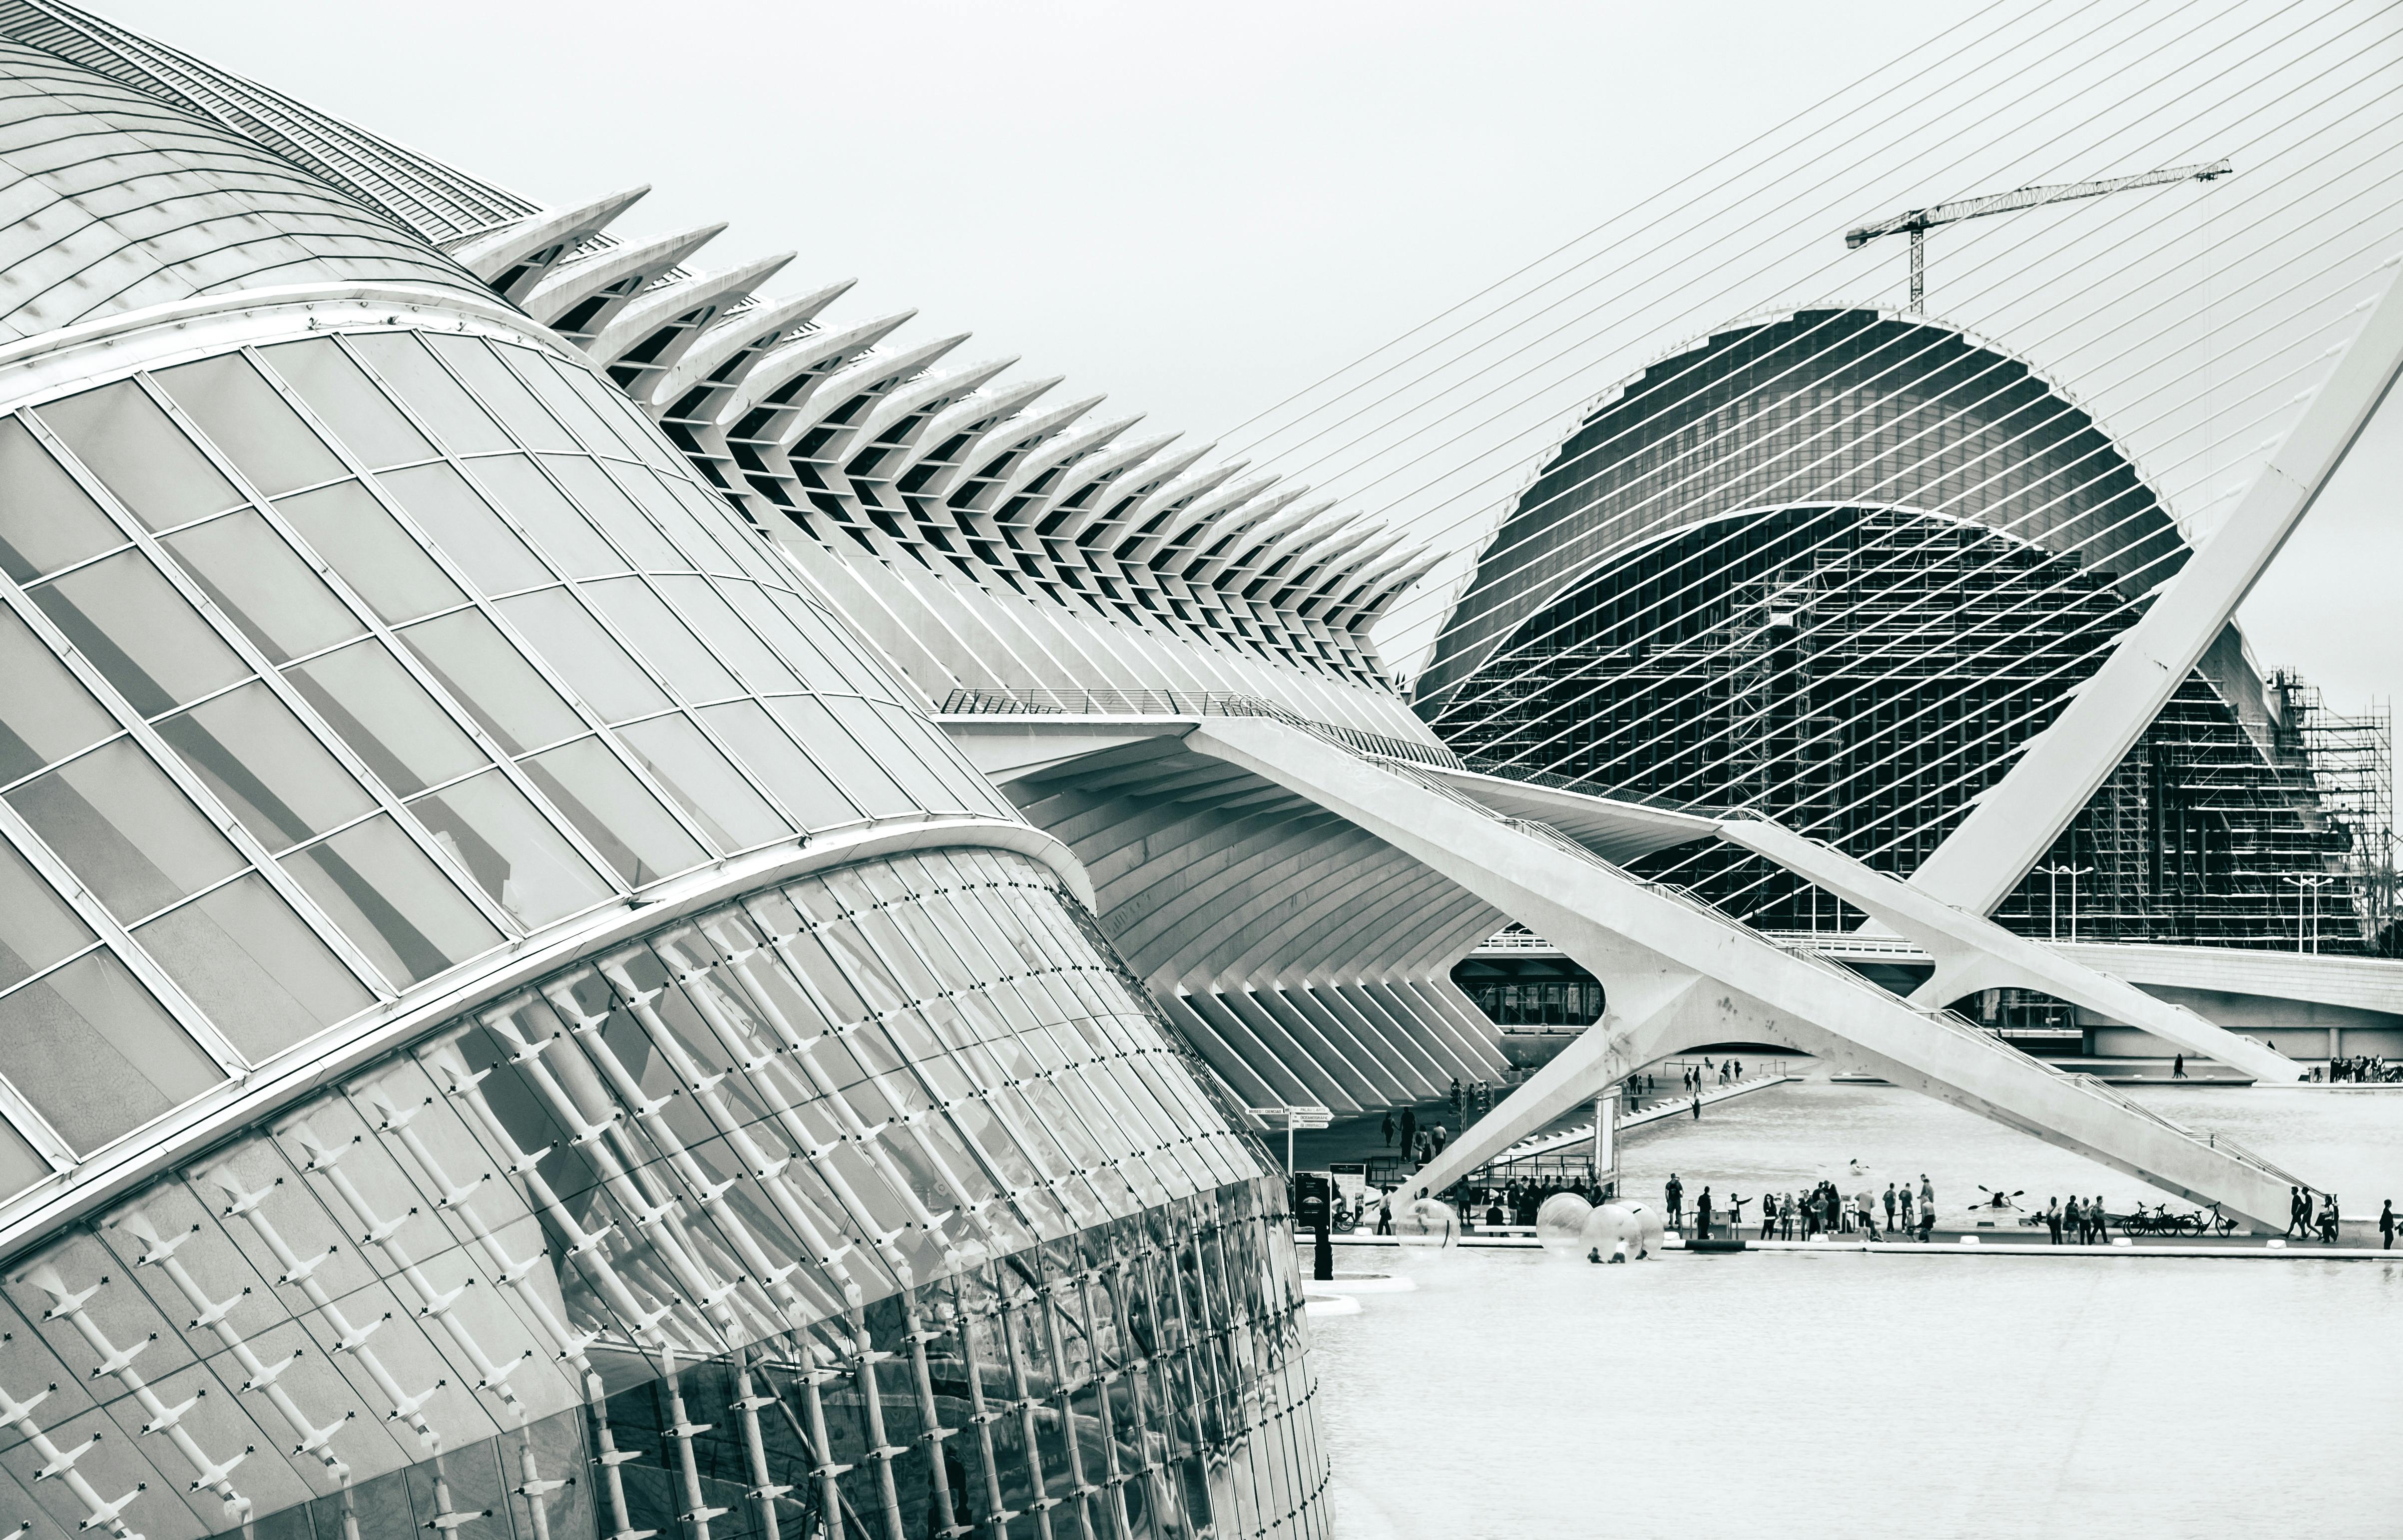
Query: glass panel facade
point(709, 1232)
point(337, 665)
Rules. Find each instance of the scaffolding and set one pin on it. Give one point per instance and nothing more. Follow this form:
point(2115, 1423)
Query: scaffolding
point(2352, 765)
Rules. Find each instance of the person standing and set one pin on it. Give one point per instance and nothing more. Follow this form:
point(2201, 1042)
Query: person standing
point(1387, 1128)
point(1676, 1194)
point(2386, 1227)
point(2329, 1220)
point(1410, 1132)
point(1889, 1206)
point(1767, 1215)
point(1702, 1214)
point(2052, 1219)
point(1456, 1096)
point(1698, 1106)
point(1926, 1194)
point(1927, 1222)
point(1385, 1215)
point(2102, 1220)
point(1906, 1208)
point(2073, 1219)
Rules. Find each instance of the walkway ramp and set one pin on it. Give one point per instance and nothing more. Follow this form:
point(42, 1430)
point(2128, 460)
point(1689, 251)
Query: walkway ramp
point(1679, 973)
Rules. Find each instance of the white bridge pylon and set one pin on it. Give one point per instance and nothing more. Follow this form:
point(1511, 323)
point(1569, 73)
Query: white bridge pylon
point(1678, 974)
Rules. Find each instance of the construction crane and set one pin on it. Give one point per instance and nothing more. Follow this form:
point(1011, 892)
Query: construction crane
point(1920, 221)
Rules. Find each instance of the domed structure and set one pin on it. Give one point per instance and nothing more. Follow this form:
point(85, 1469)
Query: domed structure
point(1838, 566)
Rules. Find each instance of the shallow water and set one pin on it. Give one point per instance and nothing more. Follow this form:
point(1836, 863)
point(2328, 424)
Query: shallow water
point(1845, 1396)
point(1799, 1395)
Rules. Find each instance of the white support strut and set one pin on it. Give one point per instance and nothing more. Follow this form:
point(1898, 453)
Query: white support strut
point(2009, 828)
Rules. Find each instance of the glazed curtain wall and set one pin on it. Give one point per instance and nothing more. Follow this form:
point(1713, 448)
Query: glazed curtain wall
point(877, 1200)
point(337, 663)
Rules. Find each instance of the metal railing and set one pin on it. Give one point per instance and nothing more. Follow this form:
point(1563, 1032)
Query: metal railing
point(1148, 702)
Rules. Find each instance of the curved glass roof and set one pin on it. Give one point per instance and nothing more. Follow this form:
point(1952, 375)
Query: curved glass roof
point(116, 200)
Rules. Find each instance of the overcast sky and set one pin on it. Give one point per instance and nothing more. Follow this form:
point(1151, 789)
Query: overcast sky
point(1202, 209)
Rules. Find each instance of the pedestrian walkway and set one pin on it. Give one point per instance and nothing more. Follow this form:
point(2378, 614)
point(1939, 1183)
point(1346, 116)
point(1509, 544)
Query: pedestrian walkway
point(1668, 1106)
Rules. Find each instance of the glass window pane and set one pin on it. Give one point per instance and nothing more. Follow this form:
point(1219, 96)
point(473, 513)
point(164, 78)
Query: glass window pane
point(133, 625)
point(392, 901)
point(511, 849)
point(464, 527)
point(700, 605)
point(242, 415)
point(95, 1054)
point(636, 433)
point(37, 926)
point(19, 1166)
point(251, 573)
point(595, 667)
point(692, 534)
point(504, 394)
point(726, 807)
point(387, 718)
point(768, 754)
point(470, 657)
point(643, 619)
point(573, 545)
point(608, 507)
point(46, 519)
point(816, 670)
point(751, 548)
point(401, 361)
point(382, 562)
point(122, 437)
point(806, 717)
point(348, 402)
point(609, 806)
point(45, 713)
point(125, 830)
point(261, 976)
point(265, 767)
point(848, 657)
point(922, 760)
point(564, 404)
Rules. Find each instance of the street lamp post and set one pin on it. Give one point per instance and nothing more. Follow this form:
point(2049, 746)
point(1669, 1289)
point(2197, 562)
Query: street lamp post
point(2053, 875)
point(2307, 890)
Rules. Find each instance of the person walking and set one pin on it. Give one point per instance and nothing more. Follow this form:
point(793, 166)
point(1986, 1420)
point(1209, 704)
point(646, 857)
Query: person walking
point(2386, 1227)
point(1698, 1106)
point(1385, 1215)
point(2329, 1220)
point(2177, 1067)
point(2299, 1213)
point(1441, 1137)
point(2052, 1219)
point(1387, 1128)
point(1676, 1194)
point(1889, 1206)
point(2101, 1220)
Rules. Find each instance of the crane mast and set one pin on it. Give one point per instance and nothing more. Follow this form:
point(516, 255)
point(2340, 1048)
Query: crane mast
point(1918, 222)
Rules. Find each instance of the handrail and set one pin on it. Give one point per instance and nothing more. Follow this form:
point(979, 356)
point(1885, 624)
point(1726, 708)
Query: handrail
point(1154, 702)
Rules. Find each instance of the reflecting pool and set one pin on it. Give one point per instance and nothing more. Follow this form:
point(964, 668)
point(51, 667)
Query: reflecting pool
point(1845, 1396)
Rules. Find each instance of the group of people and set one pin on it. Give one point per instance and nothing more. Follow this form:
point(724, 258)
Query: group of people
point(1419, 1146)
point(2076, 1224)
point(1824, 1209)
point(2362, 1069)
point(2324, 1222)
